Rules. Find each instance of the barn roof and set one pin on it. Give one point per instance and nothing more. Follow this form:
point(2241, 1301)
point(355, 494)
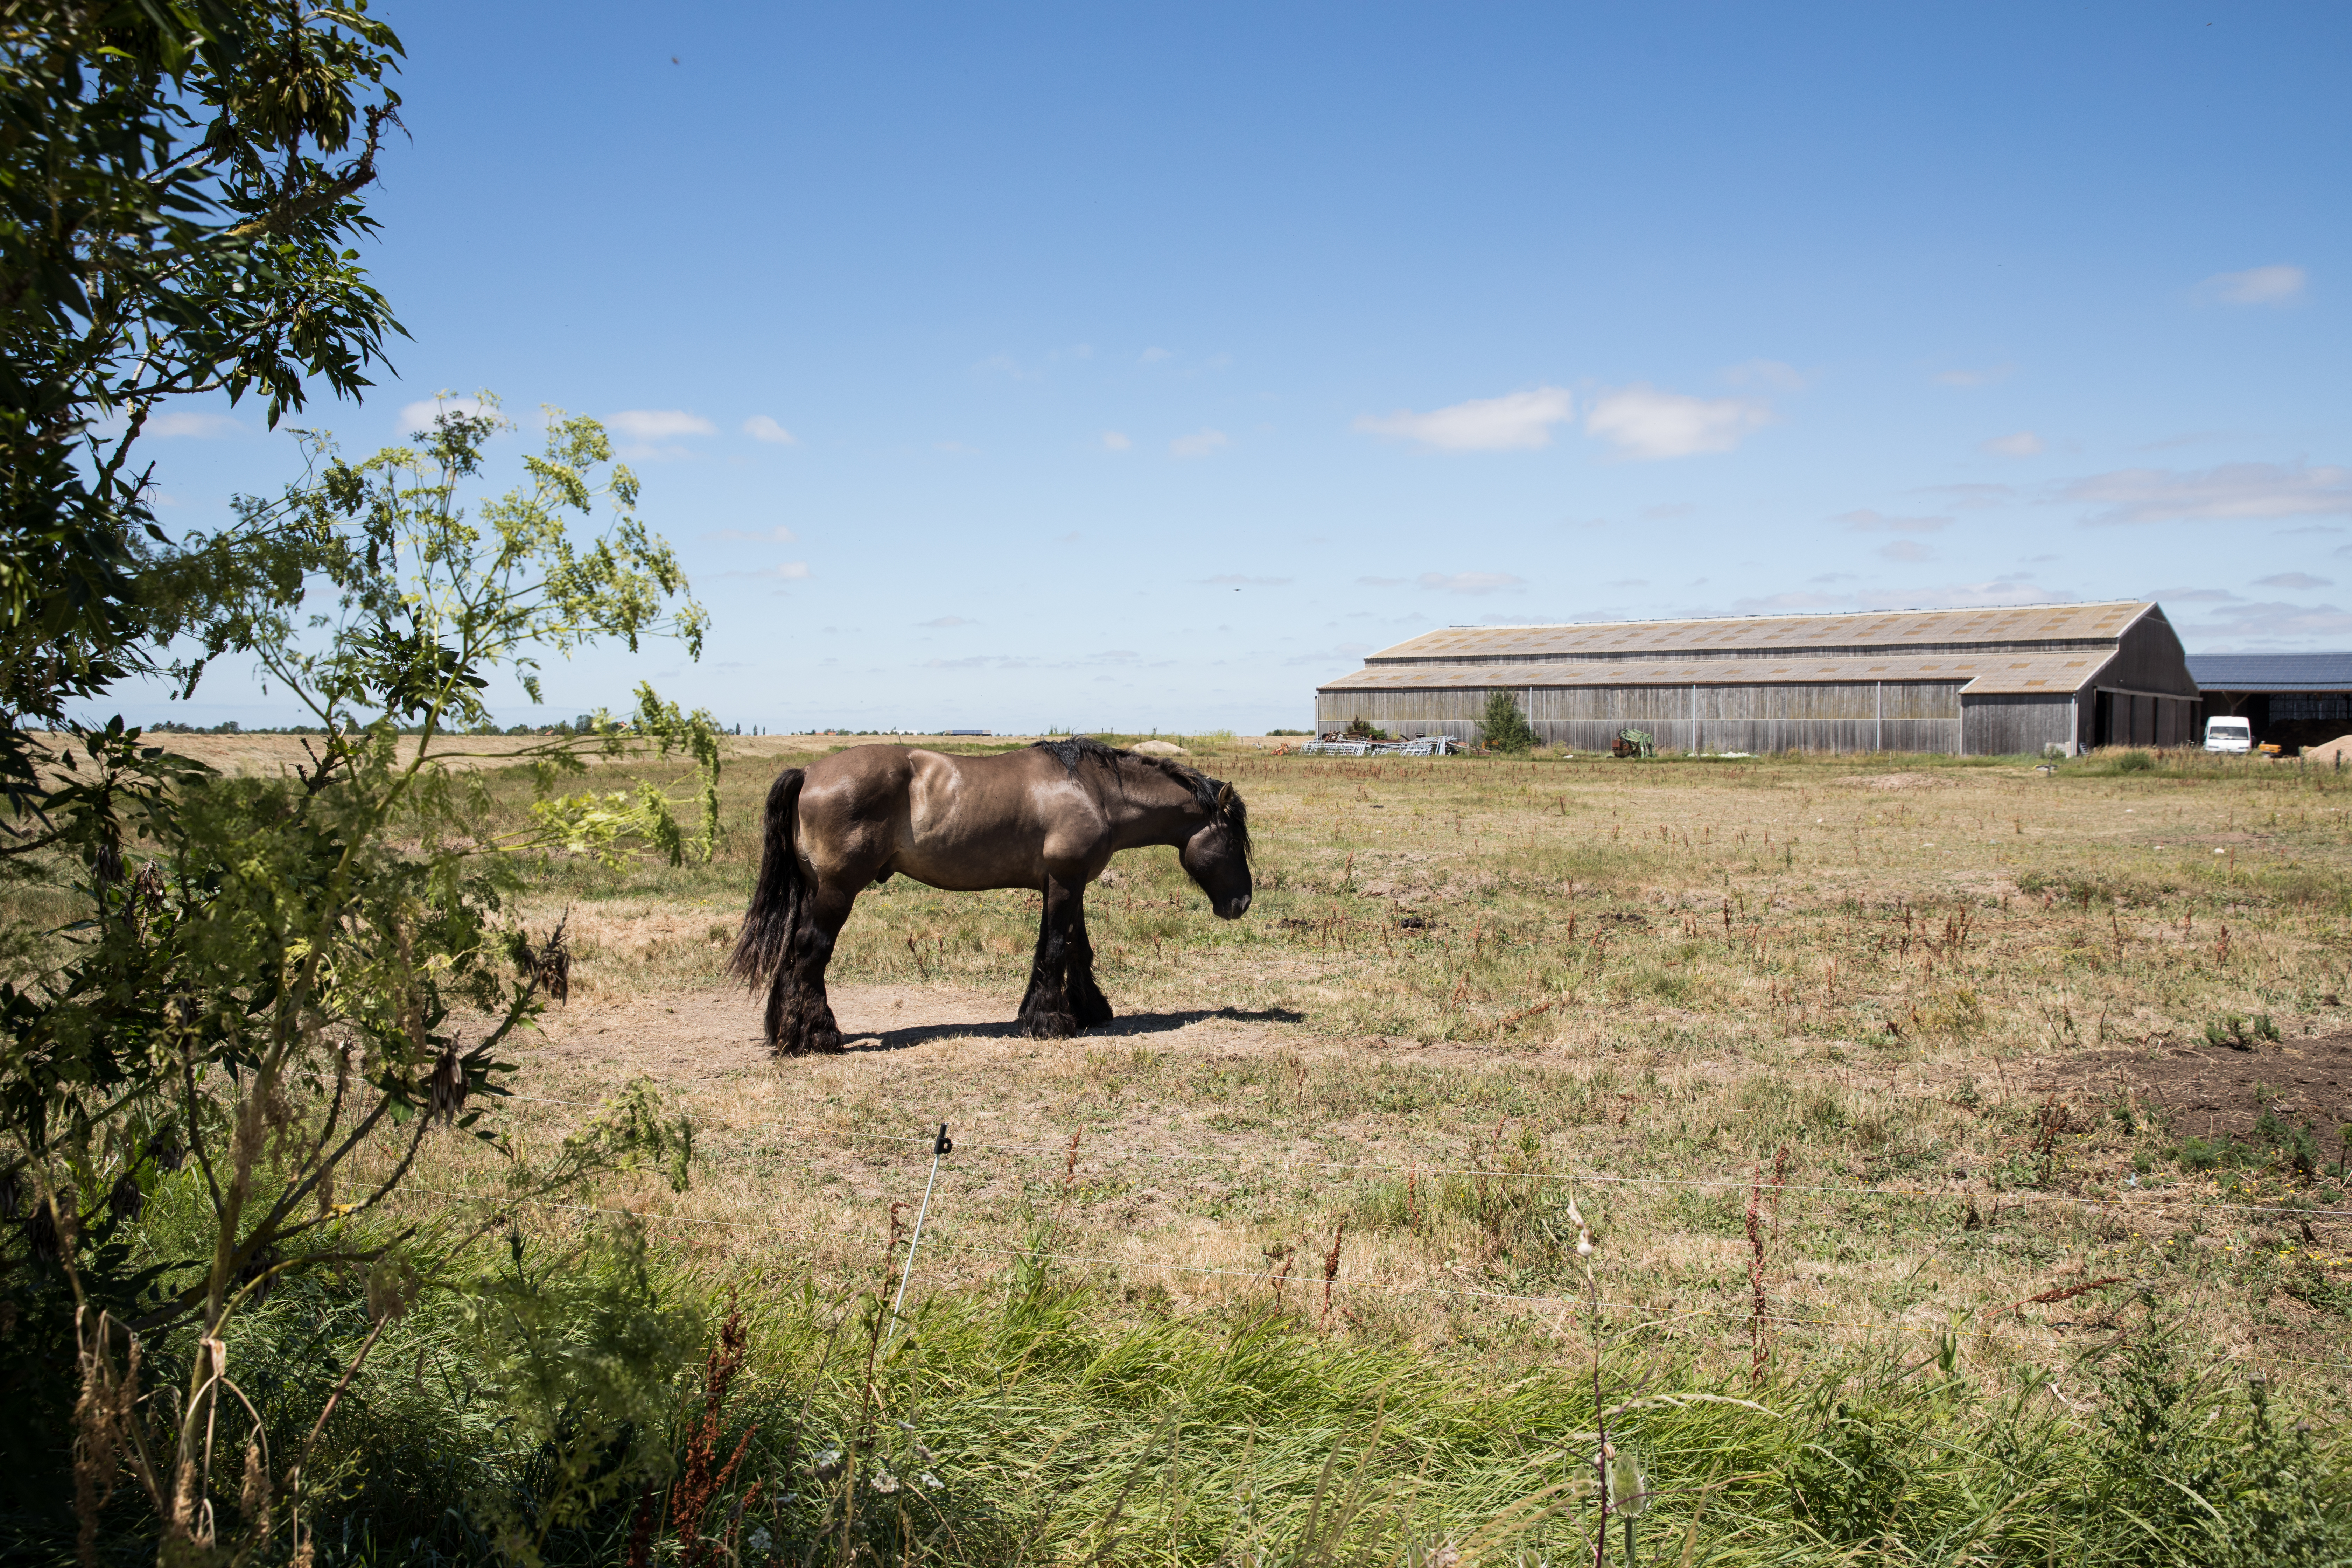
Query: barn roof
point(1778, 635)
point(2272, 671)
point(2018, 651)
point(1980, 673)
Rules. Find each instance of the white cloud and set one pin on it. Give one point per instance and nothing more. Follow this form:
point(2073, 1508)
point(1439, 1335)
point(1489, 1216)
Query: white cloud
point(656, 424)
point(203, 425)
point(1516, 421)
point(1114, 442)
point(949, 621)
point(1771, 373)
point(419, 416)
point(2294, 580)
point(778, 535)
point(2275, 285)
point(2232, 492)
point(2023, 444)
point(1985, 377)
point(1472, 582)
point(1199, 444)
point(1643, 422)
point(760, 427)
point(1868, 522)
point(1906, 550)
point(1972, 497)
point(1152, 356)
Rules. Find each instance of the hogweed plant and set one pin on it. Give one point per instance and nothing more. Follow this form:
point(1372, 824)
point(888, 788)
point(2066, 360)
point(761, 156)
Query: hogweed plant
point(279, 988)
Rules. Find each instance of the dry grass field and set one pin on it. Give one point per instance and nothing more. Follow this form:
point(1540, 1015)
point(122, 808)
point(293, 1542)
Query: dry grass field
point(1958, 1035)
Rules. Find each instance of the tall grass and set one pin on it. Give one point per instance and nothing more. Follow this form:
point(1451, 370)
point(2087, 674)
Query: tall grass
point(1042, 1418)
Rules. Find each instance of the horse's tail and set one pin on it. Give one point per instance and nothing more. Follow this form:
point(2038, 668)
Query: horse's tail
point(776, 900)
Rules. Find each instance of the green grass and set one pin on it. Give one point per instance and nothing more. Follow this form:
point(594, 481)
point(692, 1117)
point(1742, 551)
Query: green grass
point(1049, 1419)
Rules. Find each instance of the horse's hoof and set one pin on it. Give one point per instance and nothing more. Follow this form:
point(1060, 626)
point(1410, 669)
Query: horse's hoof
point(1049, 1026)
point(1089, 1014)
point(828, 1041)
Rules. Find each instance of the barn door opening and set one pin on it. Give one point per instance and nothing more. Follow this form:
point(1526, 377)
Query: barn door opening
point(2102, 719)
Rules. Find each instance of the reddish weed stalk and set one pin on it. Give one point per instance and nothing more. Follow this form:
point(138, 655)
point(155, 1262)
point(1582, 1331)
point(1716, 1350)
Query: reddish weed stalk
point(1331, 1273)
point(1759, 1342)
point(703, 1481)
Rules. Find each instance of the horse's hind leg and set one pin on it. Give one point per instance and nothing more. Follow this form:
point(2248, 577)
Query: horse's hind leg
point(1046, 1011)
point(800, 1017)
point(1089, 1005)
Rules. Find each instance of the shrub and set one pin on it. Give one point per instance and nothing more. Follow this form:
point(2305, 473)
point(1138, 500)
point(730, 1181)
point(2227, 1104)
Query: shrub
point(1503, 727)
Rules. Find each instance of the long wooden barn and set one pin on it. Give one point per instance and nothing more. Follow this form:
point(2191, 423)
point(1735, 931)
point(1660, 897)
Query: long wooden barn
point(1976, 682)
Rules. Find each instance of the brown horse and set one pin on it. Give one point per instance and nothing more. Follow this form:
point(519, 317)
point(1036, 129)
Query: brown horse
point(1049, 816)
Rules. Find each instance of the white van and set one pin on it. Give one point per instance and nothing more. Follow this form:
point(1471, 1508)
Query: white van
point(2228, 735)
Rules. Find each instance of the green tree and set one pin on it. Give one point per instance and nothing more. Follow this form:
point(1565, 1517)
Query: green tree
point(180, 194)
point(1503, 727)
point(257, 1012)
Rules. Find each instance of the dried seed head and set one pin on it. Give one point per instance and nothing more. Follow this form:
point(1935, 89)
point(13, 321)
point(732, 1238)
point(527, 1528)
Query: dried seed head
point(393, 1286)
point(125, 1198)
point(253, 1497)
point(1629, 1485)
point(257, 1274)
point(44, 1235)
point(445, 1089)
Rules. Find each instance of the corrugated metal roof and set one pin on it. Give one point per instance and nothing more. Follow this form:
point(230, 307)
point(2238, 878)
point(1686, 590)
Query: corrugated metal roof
point(2272, 671)
point(2058, 673)
point(1778, 634)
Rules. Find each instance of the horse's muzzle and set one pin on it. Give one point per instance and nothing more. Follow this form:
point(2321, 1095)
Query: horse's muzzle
point(1235, 909)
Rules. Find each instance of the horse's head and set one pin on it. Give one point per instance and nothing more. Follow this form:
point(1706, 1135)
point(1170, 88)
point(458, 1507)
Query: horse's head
point(1217, 855)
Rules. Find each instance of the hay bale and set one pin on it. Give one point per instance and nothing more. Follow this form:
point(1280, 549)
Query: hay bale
point(1159, 749)
point(2334, 753)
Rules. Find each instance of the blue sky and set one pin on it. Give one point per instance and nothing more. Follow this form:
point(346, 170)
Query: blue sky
point(1140, 366)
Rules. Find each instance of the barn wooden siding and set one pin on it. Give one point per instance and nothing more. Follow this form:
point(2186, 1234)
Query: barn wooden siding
point(1823, 716)
point(2006, 725)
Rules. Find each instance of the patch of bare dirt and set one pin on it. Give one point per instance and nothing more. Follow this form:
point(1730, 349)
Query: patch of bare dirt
point(2211, 1090)
point(1894, 780)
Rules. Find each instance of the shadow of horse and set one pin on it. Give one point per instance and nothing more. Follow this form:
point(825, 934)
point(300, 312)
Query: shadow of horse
point(1012, 1028)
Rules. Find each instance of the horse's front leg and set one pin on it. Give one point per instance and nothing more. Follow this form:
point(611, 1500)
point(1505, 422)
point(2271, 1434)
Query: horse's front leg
point(800, 1016)
point(1089, 1005)
point(1046, 1011)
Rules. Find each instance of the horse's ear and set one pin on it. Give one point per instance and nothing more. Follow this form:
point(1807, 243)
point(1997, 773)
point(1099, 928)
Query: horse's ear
point(1225, 799)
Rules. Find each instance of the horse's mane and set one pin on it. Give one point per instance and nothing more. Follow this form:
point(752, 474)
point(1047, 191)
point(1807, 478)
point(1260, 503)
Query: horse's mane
point(1209, 793)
